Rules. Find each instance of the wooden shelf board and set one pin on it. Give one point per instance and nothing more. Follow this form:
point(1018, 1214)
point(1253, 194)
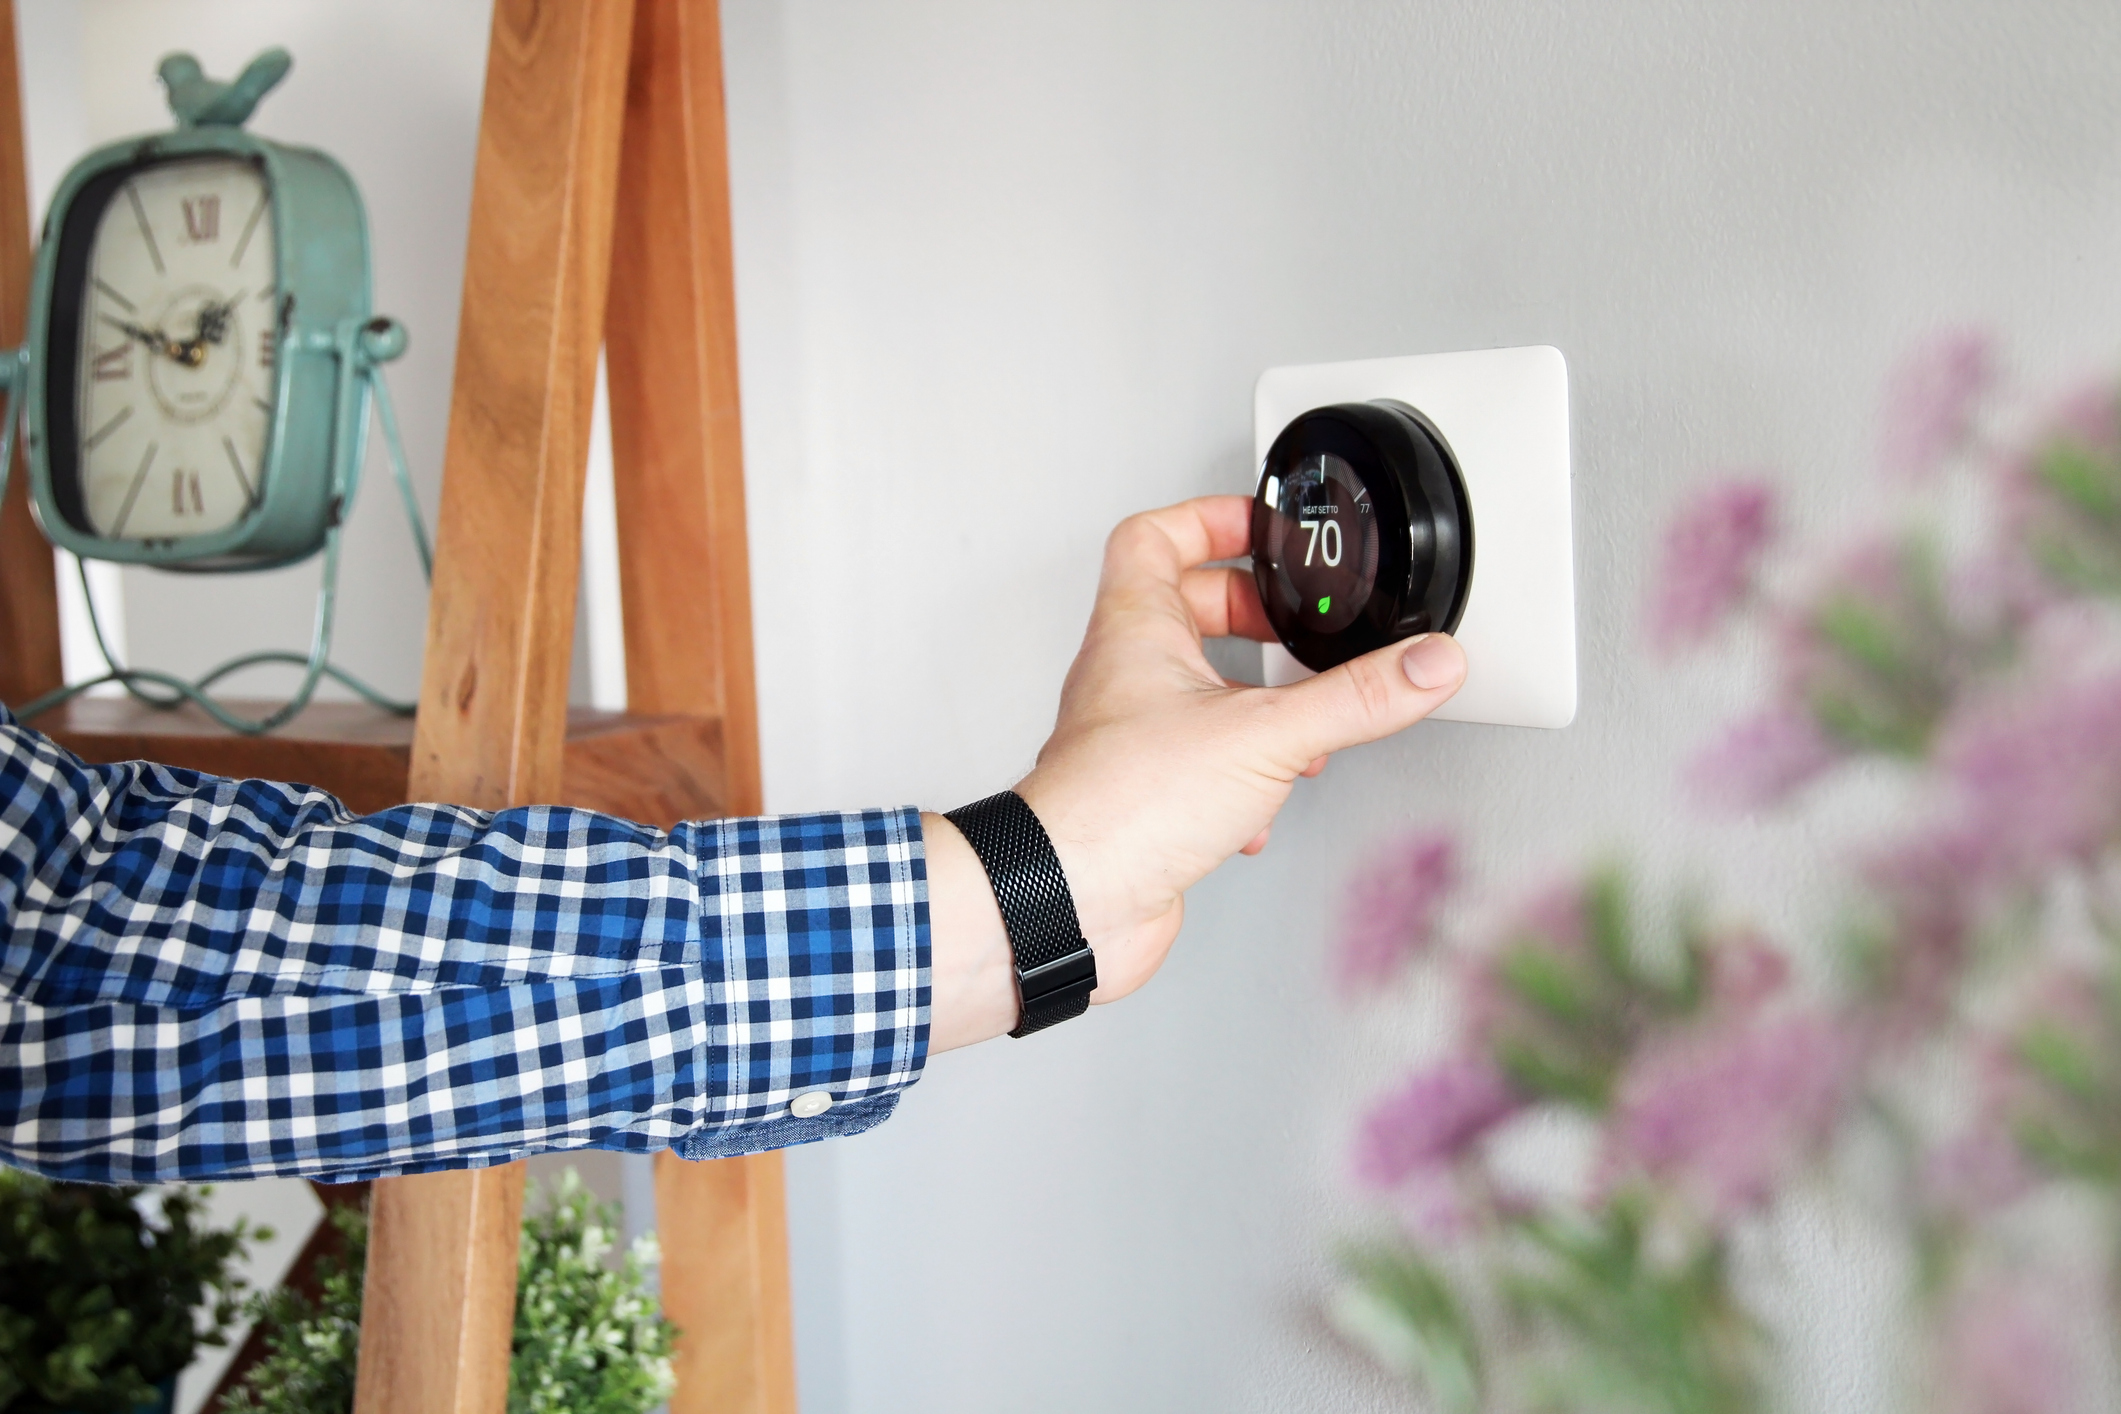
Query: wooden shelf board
point(656, 769)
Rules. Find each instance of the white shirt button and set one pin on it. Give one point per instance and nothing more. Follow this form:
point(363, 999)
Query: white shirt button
point(810, 1106)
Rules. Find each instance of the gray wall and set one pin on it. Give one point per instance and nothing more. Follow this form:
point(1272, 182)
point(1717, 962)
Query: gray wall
point(1007, 273)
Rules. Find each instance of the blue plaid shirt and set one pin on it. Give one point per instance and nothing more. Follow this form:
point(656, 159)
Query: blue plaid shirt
point(203, 978)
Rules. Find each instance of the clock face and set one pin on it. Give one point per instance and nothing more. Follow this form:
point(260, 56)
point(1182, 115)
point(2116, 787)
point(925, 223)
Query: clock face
point(175, 383)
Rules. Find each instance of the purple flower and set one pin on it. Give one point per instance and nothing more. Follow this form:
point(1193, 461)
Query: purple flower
point(1554, 919)
point(1727, 1112)
point(2039, 778)
point(1434, 1204)
point(1745, 972)
point(1977, 1172)
point(1431, 1121)
point(2088, 418)
point(2006, 1348)
point(1760, 761)
point(1712, 549)
point(1932, 890)
point(1392, 907)
point(1930, 400)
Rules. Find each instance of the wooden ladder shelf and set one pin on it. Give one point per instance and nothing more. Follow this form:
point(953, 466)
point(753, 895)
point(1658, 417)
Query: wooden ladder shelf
point(591, 107)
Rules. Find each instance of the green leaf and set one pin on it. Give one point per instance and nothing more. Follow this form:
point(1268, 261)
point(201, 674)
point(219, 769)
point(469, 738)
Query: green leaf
point(1606, 919)
point(2063, 1151)
point(2077, 476)
point(1547, 983)
point(1623, 1332)
point(1556, 1077)
point(2057, 1057)
point(1860, 634)
point(1402, 1311)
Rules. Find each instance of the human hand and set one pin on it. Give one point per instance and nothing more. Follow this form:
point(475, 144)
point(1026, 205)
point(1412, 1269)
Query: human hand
point(1158, 770)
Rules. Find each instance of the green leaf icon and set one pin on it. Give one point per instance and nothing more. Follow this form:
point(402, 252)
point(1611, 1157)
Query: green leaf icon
point(1325, 603)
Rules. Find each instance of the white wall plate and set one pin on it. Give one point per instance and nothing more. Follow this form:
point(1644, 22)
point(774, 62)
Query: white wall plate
point(1505, 414)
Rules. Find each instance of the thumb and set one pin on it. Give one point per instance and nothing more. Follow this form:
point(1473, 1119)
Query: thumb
point(1373, 696)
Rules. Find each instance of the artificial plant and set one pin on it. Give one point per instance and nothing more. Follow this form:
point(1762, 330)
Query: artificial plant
point(589, 1335)
point(1935, 1058)
point(106, 1293)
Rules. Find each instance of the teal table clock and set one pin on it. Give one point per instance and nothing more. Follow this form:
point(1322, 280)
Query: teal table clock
point(202, 360)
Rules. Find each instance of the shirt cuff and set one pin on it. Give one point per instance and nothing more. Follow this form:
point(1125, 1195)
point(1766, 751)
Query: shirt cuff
point(789, 1130)
point(815, 942)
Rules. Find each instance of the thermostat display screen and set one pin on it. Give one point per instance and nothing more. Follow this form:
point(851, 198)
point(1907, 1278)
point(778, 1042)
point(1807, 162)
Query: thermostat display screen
point(1322, 540)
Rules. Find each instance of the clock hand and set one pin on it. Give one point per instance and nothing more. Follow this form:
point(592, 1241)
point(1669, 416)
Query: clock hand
point(213, 322)
point(212, 328)
point(155, 339)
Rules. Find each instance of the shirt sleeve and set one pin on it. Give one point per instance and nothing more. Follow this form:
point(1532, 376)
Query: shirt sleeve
point(205, 978)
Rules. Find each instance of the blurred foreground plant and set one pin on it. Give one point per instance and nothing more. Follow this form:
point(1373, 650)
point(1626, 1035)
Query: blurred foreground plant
point(105, 1293)
point(311, 1347)
point(590, 1337)
point(1956, 1071)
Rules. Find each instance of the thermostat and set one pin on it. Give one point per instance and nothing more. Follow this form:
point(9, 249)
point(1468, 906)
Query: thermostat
point(1360, 531)
point(1400, 496)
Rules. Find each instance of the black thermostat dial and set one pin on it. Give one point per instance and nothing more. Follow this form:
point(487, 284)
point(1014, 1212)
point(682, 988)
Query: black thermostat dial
point(1361, 532)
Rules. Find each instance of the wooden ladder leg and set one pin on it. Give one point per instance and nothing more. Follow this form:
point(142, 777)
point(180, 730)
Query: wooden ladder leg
point(677, 445)
point(29, 600)
point(676, 427)
point(440, 1298)
point(723, 1224)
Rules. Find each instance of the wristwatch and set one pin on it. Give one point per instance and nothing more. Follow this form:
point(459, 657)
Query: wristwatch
point(1055, 969)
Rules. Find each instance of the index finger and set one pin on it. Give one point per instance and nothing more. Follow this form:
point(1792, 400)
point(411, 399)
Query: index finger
point(1163, 544)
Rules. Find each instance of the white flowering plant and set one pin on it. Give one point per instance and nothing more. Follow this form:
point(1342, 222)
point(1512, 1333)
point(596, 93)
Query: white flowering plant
point(590, 1337)
point(1939, 1070)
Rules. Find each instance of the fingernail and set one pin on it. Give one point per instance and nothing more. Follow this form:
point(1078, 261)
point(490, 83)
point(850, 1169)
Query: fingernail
point(1432, 661)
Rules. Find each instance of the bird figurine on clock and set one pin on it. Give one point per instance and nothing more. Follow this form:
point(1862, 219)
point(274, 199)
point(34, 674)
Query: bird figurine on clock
point(202, 354)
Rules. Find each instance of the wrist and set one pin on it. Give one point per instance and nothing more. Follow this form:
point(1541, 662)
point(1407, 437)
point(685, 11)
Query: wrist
point(1095, 909)
point(972, 987)
point(1127, 904)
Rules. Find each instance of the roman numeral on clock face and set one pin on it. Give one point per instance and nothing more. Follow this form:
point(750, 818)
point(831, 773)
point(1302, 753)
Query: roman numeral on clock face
point(202, 218)
point(184, 497)
point(114, 364)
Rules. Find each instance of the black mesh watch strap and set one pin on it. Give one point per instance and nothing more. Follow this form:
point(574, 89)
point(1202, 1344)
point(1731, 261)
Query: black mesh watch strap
point(1055, 969)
